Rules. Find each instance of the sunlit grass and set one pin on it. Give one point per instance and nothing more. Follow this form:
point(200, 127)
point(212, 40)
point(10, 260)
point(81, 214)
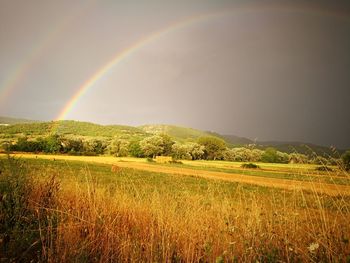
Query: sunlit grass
point(68, 210)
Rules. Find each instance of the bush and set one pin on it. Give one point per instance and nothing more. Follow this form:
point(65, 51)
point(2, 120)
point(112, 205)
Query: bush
point(250, 165)
point(175, 162)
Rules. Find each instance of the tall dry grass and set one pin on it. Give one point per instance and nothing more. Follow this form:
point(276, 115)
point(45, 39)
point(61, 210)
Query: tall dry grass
point(85, 220)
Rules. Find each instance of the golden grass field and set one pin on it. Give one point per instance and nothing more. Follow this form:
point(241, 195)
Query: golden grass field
point(107, 209)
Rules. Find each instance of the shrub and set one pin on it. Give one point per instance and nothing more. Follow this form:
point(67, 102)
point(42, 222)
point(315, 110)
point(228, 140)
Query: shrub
point(250, 165)
point(175, 162)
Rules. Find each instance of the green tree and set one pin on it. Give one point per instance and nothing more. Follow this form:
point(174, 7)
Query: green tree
point(95, 146)
point(159, 144)
point(119, 147)
point(72, 146)
point(25, 145)
point(135, 149)
point(195, 150)
point(167, 143)
point(181, 151)
point(270, 155)
point(282, 157)
point(53, 144)
point(213, 147)
point(152, 146)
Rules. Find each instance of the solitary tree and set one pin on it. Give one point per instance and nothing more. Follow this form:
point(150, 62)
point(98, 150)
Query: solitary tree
point(213, 147)
point(167, 144)
point(135, 149)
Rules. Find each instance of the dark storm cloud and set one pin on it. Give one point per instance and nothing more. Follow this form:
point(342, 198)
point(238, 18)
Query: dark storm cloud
point(274, 72)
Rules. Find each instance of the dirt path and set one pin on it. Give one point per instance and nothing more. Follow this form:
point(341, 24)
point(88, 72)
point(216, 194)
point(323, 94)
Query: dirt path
point(330, 189)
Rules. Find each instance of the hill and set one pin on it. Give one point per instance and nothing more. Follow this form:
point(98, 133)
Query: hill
point(300, 147)
point(23, 127)
point(10, 120)
point(177, 132)
point(183, 134)
point(236, 140)
point(76, 128)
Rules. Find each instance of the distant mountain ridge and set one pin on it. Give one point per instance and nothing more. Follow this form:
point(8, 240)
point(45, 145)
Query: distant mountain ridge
point(178, 132)
point(18, 127)
point(10, 120)
point(238, 140)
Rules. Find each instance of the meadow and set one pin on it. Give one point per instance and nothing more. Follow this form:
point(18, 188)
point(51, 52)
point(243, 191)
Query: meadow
point(60, 208)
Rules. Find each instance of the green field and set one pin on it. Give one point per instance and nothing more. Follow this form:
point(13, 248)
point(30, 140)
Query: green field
point(70, 208)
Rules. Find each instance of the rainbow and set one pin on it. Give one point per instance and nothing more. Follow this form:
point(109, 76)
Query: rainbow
point(22, 68)
point(122, 55)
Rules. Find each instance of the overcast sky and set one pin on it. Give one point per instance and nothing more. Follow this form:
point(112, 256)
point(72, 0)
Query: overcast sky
point(267, 70)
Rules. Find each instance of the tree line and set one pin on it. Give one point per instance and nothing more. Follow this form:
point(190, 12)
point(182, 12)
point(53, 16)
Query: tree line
point(206, 148)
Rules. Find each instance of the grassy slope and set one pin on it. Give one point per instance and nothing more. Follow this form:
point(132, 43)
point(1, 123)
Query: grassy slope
point(71, 128)
point(185, 134)
point(177, 132)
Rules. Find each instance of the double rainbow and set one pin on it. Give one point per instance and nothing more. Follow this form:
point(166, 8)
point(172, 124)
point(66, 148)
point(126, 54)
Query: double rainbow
point(17, 74)
point(120, 56)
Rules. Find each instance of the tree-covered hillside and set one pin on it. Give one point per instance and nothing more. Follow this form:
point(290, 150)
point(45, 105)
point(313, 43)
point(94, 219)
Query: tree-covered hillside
point(177, 132)
point(87, 130)
point(71, 128)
